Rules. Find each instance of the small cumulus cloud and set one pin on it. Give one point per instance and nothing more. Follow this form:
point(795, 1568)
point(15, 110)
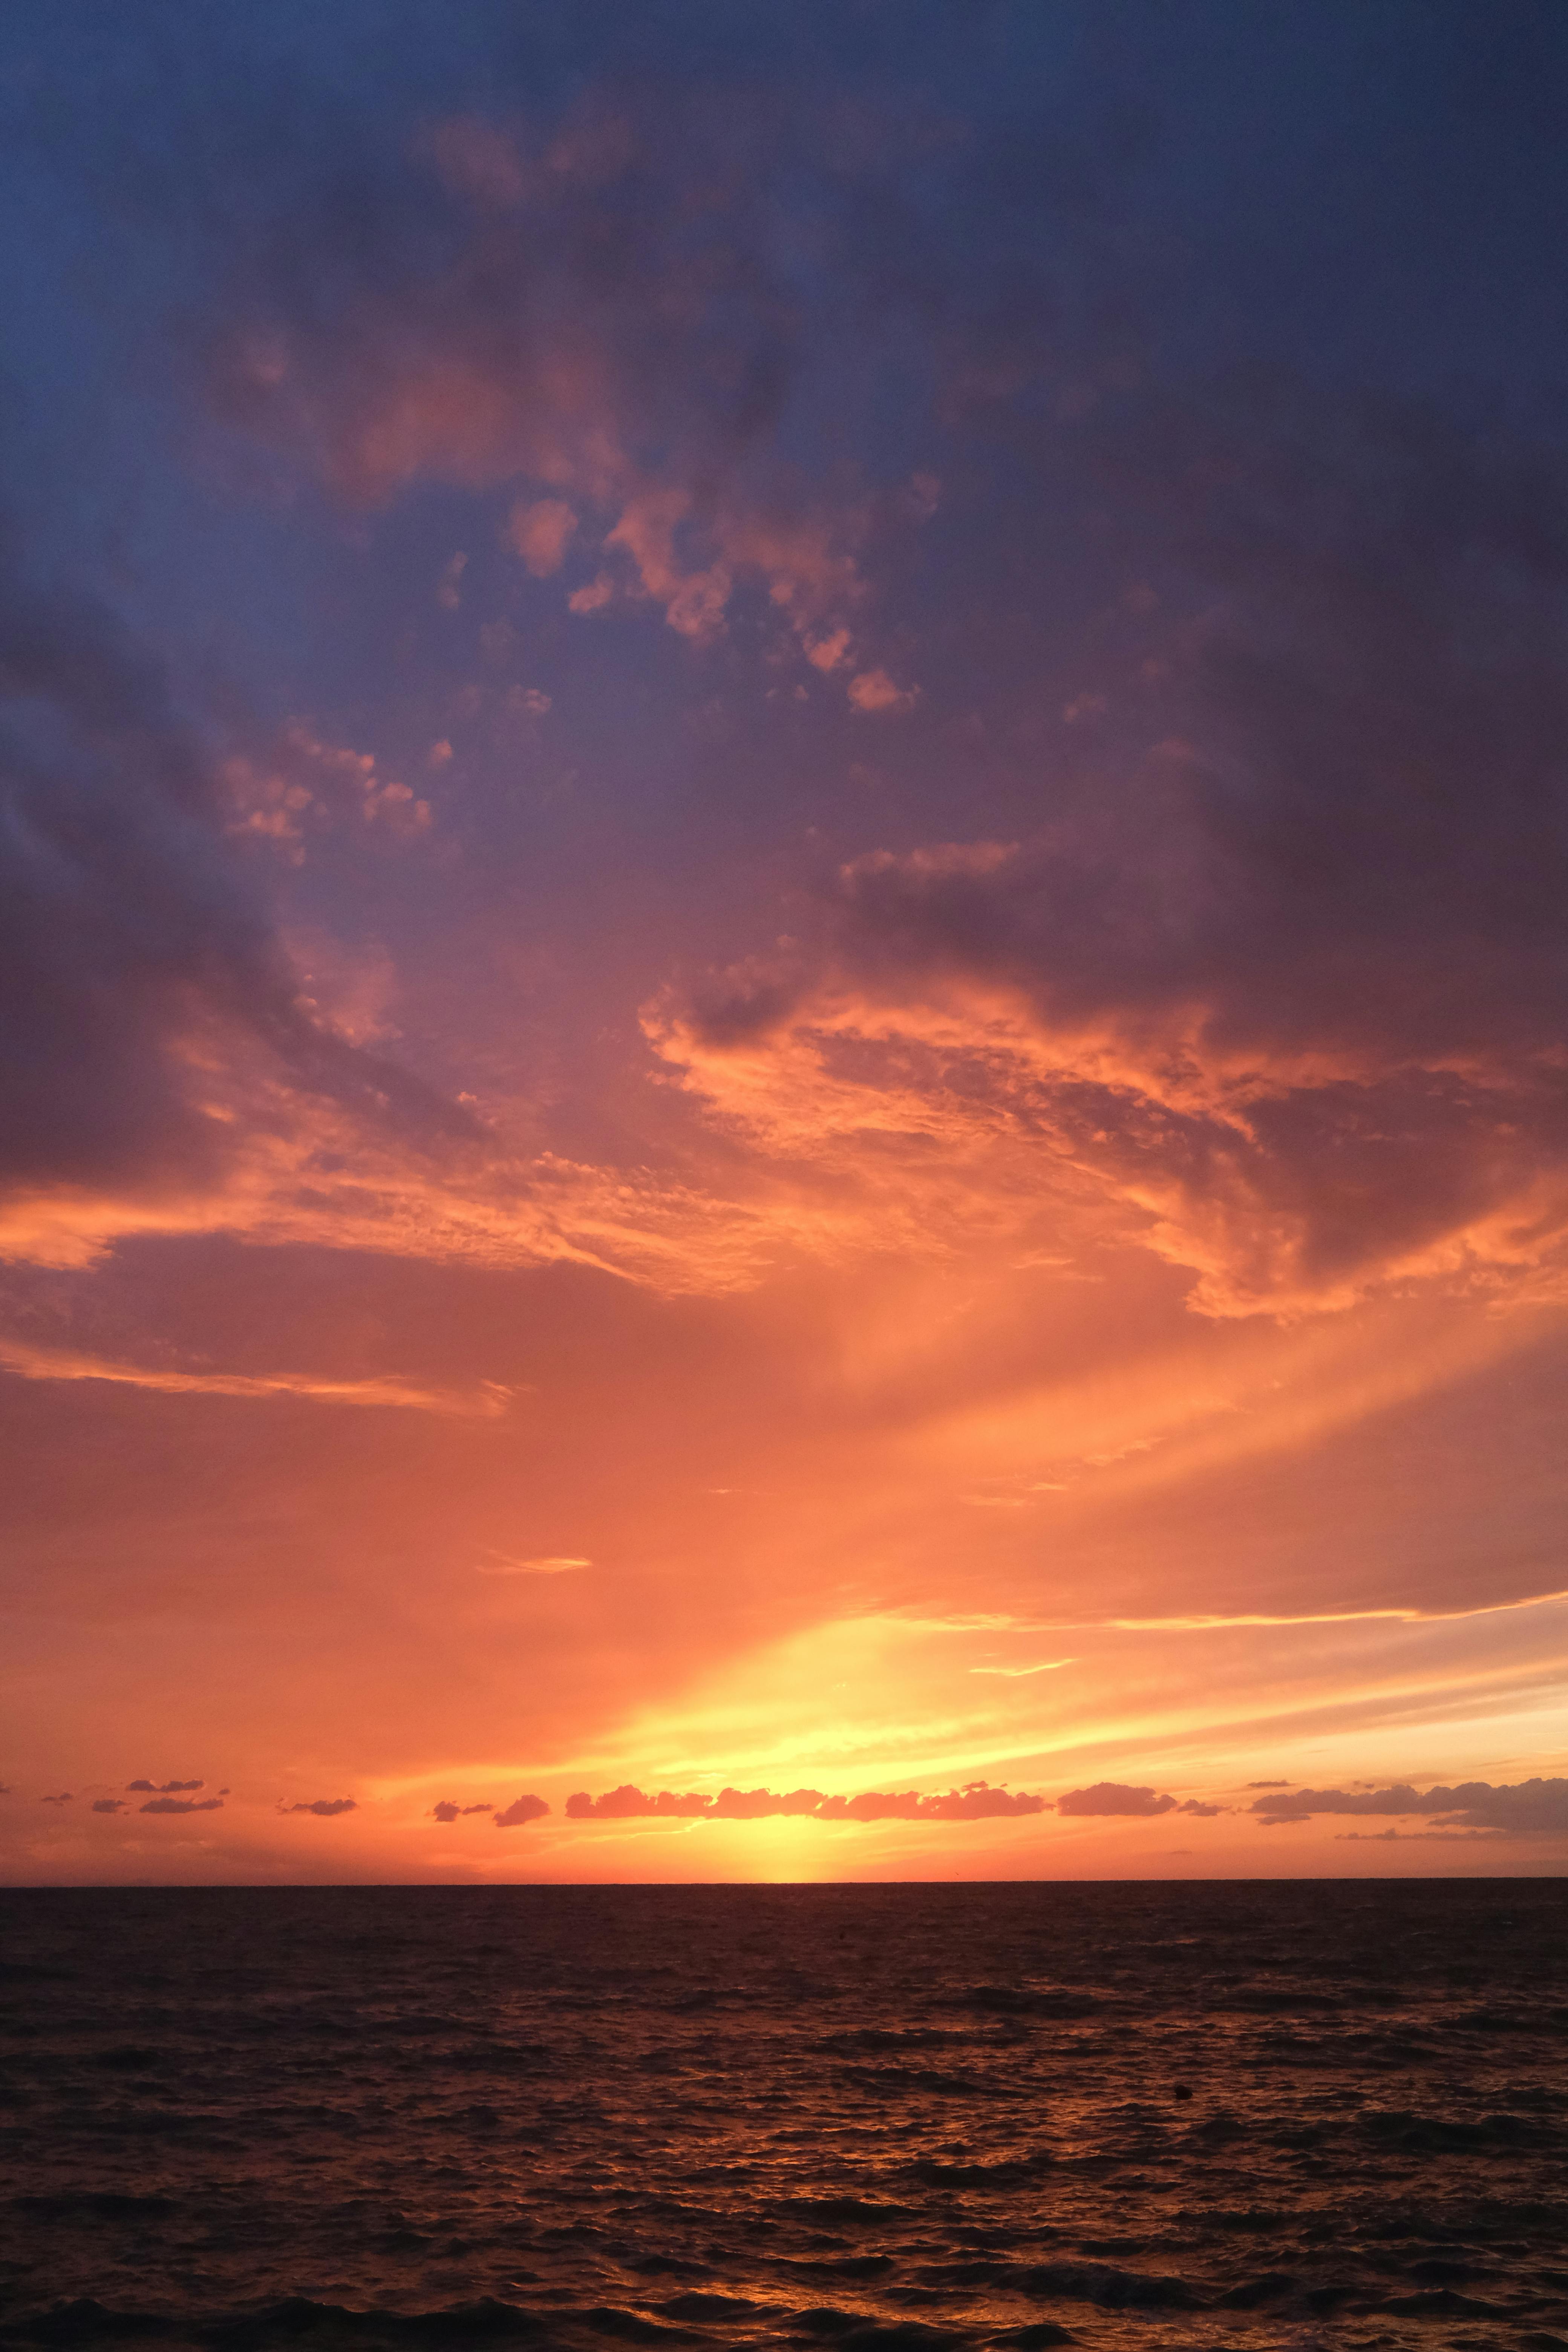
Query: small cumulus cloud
point(520, 1811)
point(323, 1806)
point(828, 652)
point(873, 690)
point(449, 593)
point(1114, 1798)
point(303, 784)
point(183, 1805)
point(163, 1788)
point(594, 597)
point(109, 1805)
point(447, 1810)
point(63, 1798)
point(541, 531)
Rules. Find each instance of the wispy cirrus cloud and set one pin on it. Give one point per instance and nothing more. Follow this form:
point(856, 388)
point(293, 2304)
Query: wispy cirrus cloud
point(547, 1564)
point(33, 1363)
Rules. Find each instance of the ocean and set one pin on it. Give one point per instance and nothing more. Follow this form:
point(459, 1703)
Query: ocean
point(909, 2118)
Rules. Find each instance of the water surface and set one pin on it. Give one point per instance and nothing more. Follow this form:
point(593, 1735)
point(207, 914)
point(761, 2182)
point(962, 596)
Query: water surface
point(886, 2119)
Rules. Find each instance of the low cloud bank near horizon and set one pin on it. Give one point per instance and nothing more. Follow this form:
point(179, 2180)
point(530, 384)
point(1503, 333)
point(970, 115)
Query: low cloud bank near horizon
point(1525, 1806)
point(976, 1801)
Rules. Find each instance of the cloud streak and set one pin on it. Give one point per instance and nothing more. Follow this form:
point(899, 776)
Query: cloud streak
point(64, 1364)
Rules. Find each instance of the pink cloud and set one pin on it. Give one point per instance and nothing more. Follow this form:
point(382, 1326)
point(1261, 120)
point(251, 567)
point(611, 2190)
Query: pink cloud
point(873, 690)
point(540, 531)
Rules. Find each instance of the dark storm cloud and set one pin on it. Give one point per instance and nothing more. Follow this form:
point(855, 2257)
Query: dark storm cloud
point(1291, 980)
point(325, 1806)
point(131, 941)
point(1114, 1797)
point(164, 1787)
point(610, 310)
point(183, 1805)
point(974, 1803)
point(1289, 943)
point(120, 920)
point(1526, 1807)
point(521, 1812)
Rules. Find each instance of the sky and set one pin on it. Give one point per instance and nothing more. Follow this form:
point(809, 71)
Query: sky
point(784, 824)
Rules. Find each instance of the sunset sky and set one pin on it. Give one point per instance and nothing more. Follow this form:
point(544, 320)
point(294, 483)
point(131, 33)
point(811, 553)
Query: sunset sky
point(784, 840)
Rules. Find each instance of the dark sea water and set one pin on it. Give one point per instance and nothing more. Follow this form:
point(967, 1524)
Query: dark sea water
point(889, 2119)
